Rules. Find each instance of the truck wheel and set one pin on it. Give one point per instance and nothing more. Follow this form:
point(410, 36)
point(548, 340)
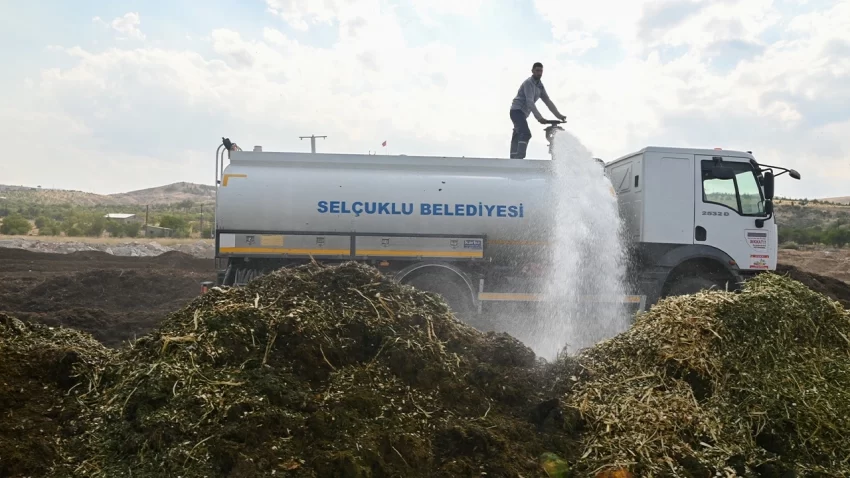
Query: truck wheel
point(692, 284)
point(454, 293)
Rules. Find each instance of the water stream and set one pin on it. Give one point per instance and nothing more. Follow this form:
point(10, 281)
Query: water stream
point(588, 259)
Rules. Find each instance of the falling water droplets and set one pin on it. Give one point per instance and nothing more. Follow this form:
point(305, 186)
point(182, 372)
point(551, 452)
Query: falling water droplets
point(587, 257)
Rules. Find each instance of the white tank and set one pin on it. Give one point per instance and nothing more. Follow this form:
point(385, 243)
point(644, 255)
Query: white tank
point(507, 201)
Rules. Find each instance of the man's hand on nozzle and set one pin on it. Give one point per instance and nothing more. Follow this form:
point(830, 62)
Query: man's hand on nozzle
point(561, 117)
point(542, 120)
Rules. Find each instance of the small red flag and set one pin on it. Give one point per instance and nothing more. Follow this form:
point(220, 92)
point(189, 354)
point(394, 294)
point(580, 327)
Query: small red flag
point(384, 143)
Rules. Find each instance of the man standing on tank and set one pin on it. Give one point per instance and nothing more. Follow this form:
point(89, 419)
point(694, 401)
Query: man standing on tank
point(529, 92)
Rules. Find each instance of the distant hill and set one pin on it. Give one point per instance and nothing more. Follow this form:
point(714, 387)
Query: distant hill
point(51, 196)
point(168, 194)
point(839, 200)
point(804, 214)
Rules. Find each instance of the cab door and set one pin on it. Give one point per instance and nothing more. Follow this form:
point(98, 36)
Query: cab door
point(727, 209)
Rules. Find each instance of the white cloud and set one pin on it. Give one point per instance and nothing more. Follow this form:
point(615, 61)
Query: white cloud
point(642, 25)
point(275, 37)
point(592, 17)
point(66, 153)
point(300, 14)
point(128, 25)
point(451, 7)
point(708, 23)
point(788, 101)
point(297, 13)
point(430, 11)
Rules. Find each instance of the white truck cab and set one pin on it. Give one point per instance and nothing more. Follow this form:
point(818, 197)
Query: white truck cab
point(696, 218)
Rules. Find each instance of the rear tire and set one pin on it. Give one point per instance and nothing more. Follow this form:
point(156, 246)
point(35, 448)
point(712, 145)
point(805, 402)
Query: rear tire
point(454, 292)
point(692, 284)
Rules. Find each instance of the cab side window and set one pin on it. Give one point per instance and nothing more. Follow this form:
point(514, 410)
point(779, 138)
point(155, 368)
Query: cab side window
point(719, 191)
point(740, 193)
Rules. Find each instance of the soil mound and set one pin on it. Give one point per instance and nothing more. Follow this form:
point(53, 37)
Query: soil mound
point(43, 373)
point(108, 289)
point(9, 254)
point(113, 305)
point(829, 286)
point(722, 384)
point(14, 254)
point(181, 260)
point(98, 256)
point(101, 259)
point(319, 371)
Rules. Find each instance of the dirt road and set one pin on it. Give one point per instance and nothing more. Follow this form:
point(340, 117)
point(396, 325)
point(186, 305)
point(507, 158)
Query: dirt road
point(113, 298)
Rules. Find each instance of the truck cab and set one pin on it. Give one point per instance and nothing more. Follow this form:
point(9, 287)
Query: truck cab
point(695, 218)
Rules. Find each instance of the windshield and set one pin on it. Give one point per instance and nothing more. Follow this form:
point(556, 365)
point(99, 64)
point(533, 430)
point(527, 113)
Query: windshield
point(742, 193)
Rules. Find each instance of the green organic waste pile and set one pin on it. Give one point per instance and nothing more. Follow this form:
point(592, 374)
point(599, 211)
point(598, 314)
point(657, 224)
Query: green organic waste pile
point(339, 372)
point(318, 372)
point(44, 372)
point(722, 384)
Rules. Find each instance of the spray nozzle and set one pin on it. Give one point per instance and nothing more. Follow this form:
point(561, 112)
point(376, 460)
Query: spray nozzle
point(554, 127)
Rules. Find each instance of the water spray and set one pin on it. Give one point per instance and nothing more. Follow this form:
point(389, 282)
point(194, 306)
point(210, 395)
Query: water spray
point(587, 259)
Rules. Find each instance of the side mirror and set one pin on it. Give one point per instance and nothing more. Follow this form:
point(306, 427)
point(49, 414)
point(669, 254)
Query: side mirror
point(768, 207)
point(722, 172)
point(768, 186)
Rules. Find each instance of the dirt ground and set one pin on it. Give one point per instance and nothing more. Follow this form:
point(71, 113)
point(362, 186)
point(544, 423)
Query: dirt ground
point(833, 263)
point(825, 271)
point(119, 298)
point(113, 298)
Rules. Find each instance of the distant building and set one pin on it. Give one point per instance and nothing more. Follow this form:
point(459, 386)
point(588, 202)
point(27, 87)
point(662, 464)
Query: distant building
point(155, 231)
point(120, 217)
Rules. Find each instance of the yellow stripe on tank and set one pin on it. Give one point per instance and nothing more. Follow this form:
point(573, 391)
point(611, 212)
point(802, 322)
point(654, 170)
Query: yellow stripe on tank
point(387, 252)
point(279, 250)
point(226, 178)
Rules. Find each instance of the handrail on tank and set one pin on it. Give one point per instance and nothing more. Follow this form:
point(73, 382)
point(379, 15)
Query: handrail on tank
point(219, 171)
point(215, 183)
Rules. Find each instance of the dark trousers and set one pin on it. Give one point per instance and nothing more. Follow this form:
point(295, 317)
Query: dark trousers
point(521, 135)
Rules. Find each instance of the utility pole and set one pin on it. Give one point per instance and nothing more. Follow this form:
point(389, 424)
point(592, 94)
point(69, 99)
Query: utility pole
point(312, 141)
point(201, 232)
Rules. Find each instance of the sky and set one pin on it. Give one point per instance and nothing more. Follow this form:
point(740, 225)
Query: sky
point(109, 97)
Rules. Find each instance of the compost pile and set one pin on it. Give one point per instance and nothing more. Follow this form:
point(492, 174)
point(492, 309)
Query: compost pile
point(338, 371)
point(721, 384)
point(44, 372)
point(318, 371)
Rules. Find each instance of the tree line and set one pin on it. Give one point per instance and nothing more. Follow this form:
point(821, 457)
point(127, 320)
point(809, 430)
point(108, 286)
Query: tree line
point(77, 221)
point(836, 234)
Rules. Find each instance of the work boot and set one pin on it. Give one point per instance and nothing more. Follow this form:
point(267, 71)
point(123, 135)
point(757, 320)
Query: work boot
point(520, 152)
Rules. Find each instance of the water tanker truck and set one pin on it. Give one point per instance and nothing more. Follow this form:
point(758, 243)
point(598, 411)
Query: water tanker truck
point(475, 230)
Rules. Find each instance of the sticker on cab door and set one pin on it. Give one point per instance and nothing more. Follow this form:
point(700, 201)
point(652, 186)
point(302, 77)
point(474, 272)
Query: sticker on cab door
point(757, 239)
point(759, 261)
